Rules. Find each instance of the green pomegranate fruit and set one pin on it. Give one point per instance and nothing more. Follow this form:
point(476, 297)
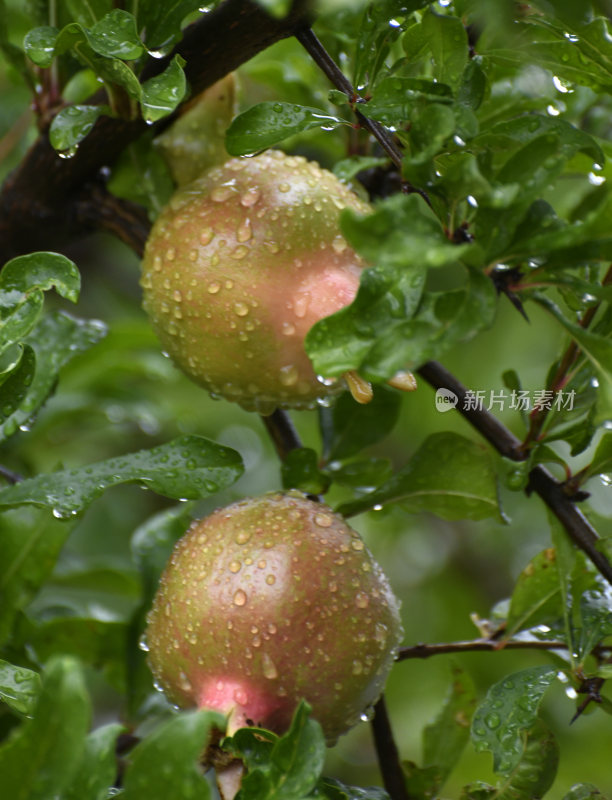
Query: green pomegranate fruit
point(240, 265)
point(269, 601)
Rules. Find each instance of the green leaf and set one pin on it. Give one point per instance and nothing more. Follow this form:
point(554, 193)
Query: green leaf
point(72, 124)
point(190, 466)
point(583, 791)
point(265, 124)
point(300, 470)
point(534, 774)
point(115, 36)
point(536, 599)
point(166, 763)
point(55, 341)
point(363, 473)
point(354, 426)
point(162, 21)
point(447, 39)
point(24, 275)
point(88, 12)
point(394, 98)
point(402, 238)
point(19, 688)
point(333, 789)
point(153, 542)
point(97, 769)
point(141, 175)
point(162, 93)
point(39, 45)
point(448, 475)
point(602, 458)
point(30, 542)
point(14, 390)
point(445, 738)
point(597, 349)
point(509, 709)
point(41, 759)
point(596, 615)
point(289, 767)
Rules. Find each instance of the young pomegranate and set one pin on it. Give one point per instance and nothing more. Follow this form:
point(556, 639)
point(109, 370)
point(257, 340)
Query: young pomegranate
point(237, 269)
point(269, 601)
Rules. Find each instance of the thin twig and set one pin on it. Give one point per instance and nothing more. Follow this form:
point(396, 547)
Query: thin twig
point(474, 645)
point(387, 752)
point(313, 46)
point(282, 432)
point(540, 480)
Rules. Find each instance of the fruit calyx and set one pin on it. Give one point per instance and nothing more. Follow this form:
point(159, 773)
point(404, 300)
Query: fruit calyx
point(270, 601)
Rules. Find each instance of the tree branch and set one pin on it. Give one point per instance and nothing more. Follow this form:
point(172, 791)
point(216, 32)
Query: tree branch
point(282, 432)
point(387, 752)
point(541, 481)
point(474, 645)
point(40, 201)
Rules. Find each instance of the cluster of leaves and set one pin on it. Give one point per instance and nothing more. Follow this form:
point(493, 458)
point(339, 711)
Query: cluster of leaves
point(513, 199)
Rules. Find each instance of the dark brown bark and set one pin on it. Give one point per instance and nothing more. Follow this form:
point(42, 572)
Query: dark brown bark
point(40, 203)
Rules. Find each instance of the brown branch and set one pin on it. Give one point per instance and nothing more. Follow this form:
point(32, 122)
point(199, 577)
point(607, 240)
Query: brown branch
point(541, 481)
point(336, 77)
point(422, 650)
point(387, 753)
point(39, 202)
point(282, 432)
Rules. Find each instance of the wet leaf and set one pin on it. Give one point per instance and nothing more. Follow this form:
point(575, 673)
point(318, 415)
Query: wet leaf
point(19, 688)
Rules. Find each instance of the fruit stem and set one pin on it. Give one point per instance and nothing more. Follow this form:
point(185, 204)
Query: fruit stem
point(282, 432)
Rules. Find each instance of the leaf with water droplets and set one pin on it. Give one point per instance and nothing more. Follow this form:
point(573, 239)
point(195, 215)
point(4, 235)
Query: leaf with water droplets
point(448, 475)
point(41, 758)
point(71, 125)
point(265, 124)
point(190, 466)
point(165, 764)
point(56, 340)
point(447, 39)
point(115, 36)
point(162, 93)
point(584, 791)
point(39, 45)
point(332, 789)
point(19, 687)
point(537, 598)
point(507, 712)
point(24, 275)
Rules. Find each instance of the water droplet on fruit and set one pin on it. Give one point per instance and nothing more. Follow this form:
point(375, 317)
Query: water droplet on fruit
point(357, 544)
point(270, 580)
point(241, 309)
point(184, 682)
point(362, 600)
point(300, 304)
point(240, 598)
point(357, 668)
point(213, 287)
point(268, 667)
point(273, 247)
point(367, 715)
point(143, 644)
point(288, 329)
point(250, 197)
point(339, 244)
point(241, 697)
point(240, 252)
point(177, 296)
point(243, 536)
point(288, 375)
point(235, 566)
point(283, 187)
point(170, 254)
point(157, 264)
point(323, 520)
point(244, 231)
point(206, 236)
point(222, 193)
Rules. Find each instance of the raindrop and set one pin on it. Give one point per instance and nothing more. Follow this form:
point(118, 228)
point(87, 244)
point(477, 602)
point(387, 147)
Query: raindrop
point(268, 667)
point(143, 644)
point(240, 598)
point(323, 520)
point(241, 309)
point(213, 287)
point(493, 721)
point(206, 236)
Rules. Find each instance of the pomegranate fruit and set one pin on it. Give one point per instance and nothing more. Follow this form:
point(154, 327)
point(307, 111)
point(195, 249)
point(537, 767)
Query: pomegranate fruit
point(269, 601)
point(240, 265)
